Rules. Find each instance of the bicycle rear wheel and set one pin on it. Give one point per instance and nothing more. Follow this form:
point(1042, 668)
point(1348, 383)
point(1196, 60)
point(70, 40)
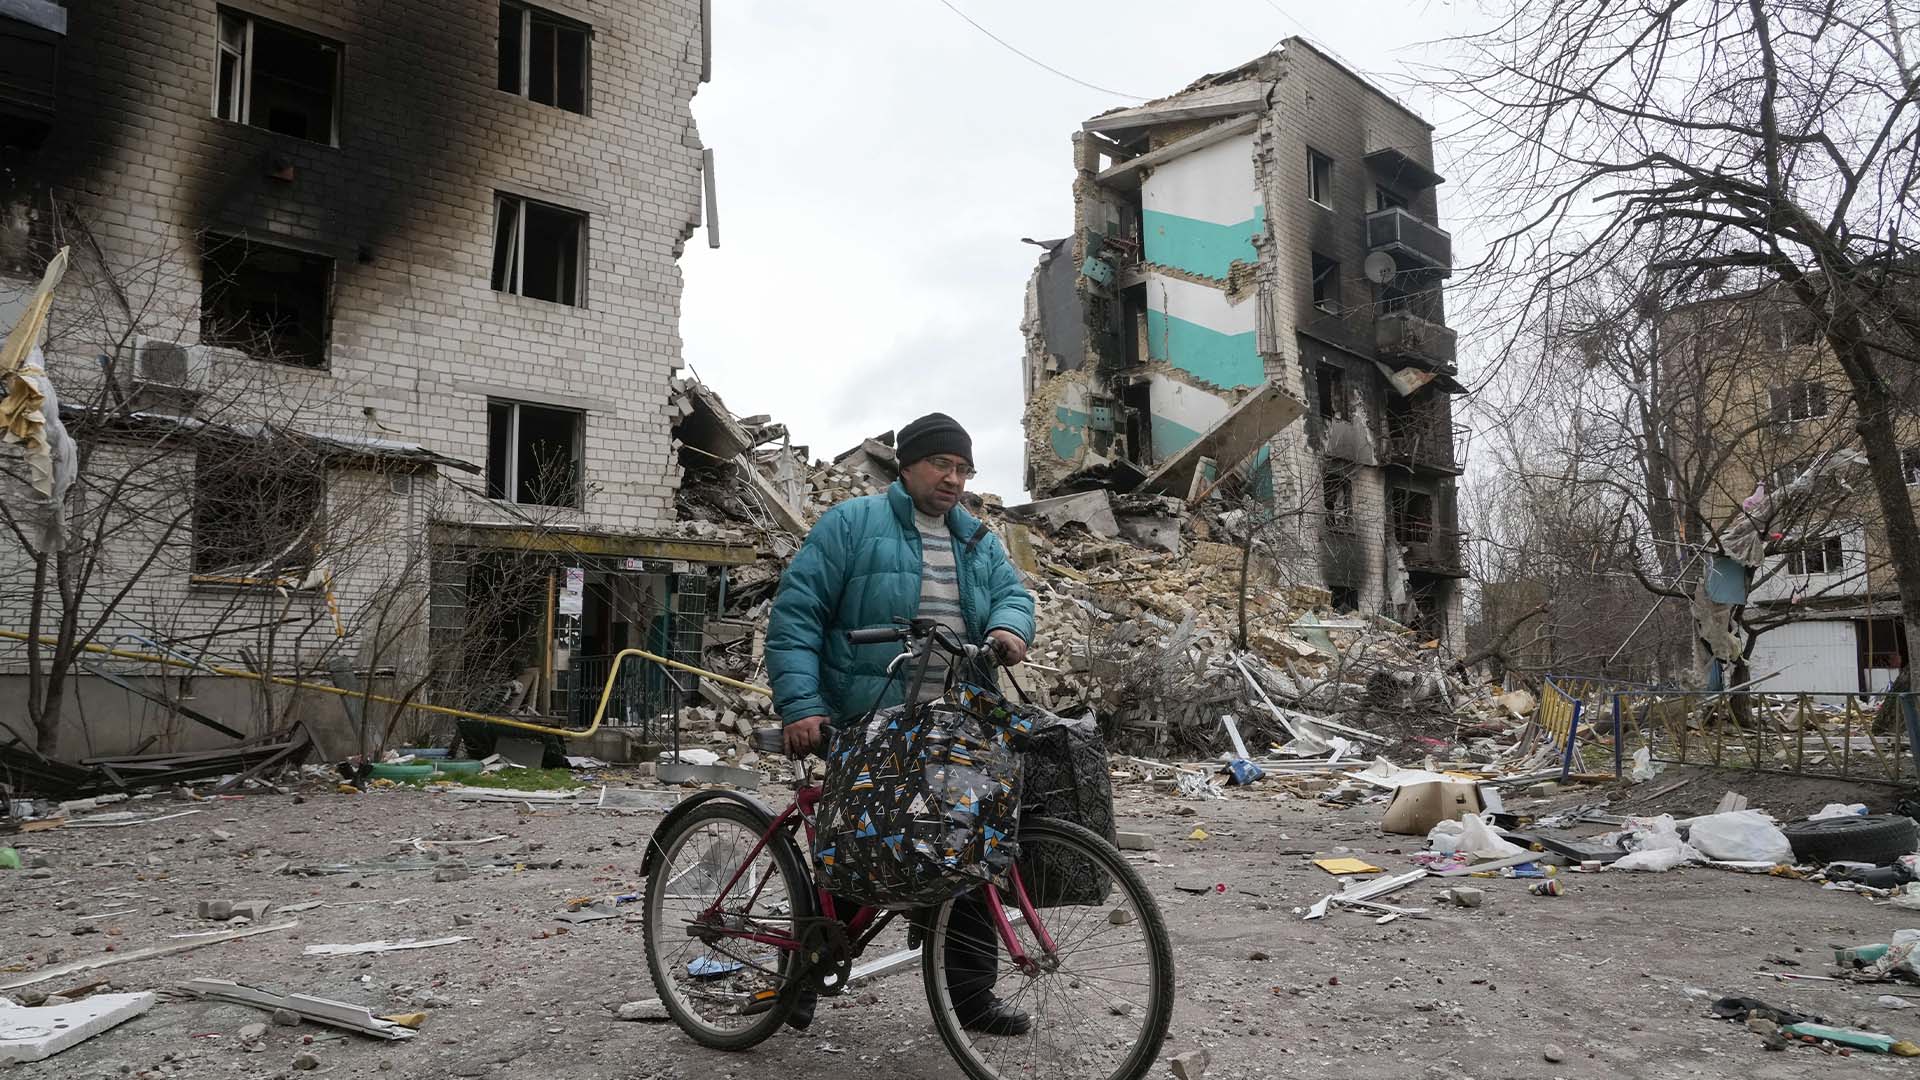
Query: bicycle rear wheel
point(722, 990)
point(1099, 1003)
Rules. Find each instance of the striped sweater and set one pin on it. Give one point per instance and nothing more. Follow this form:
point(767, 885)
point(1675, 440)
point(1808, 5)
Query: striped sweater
point(939, 593)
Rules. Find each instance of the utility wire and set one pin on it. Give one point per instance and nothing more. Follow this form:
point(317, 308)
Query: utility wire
point(1030, 58)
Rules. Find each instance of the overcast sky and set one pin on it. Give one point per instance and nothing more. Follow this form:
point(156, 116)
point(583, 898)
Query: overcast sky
point(879, 160)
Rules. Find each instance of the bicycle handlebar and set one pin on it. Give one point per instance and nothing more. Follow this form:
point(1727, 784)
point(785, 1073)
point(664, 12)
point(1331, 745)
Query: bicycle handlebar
point(879, 635)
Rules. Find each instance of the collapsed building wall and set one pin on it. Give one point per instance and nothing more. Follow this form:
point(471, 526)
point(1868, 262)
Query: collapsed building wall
point(1270, 226)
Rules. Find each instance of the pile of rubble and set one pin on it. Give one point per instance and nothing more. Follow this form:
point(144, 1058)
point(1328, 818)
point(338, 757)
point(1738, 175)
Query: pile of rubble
point(1159, 617)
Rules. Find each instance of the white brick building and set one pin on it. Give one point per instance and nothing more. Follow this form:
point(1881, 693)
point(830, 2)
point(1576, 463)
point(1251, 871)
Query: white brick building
point(427, 232)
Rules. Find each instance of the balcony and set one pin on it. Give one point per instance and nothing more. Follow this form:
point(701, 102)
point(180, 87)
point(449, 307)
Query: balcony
point(1417, 442)
point(1430, 549)
point(1406, 336)
point(1413, 243)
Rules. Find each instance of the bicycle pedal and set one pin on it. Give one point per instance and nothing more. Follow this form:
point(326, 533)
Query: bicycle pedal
point(760, 1002)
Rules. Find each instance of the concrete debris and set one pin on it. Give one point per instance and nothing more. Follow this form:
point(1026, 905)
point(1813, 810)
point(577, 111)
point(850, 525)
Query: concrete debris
point(39, 1032)
point(1140, 602)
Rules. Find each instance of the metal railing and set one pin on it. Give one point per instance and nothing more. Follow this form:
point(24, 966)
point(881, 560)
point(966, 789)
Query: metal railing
point(1419, 442)
point(1840, 734)
point(1406, 237)
point(1429, 548)
point(1406, 335)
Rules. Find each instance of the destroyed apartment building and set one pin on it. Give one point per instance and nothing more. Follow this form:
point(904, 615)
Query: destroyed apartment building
point(1251, 301)
point(366, 337)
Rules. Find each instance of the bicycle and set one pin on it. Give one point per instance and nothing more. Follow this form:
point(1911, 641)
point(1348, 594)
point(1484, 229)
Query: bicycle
point(737, 930)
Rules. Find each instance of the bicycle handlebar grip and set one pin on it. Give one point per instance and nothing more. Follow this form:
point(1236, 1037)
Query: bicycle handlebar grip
point(769, 740)
point(876, 636)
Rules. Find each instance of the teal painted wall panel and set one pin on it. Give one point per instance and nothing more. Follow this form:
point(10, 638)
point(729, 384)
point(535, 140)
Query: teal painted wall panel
point(1201, 247)
point(1069, 432)
point(1169, 438)
point(1229, 360)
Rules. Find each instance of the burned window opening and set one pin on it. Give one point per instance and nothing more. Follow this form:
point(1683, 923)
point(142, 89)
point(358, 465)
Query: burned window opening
point(1331, 382)
point(272, 303)
point(1320, 178)
point(1336, 499)
point(544, 57)
point(534, 454)
point(1819, 555)
point(278, 78)
point(1385, 199)
point(539, 250)
point(255, 517)
point(1805, 399)
point(1345, 599)
point(1413, 521)
point(1326, 283)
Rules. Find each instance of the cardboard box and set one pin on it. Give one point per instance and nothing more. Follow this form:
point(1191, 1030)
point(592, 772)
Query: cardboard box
point(1416, 808)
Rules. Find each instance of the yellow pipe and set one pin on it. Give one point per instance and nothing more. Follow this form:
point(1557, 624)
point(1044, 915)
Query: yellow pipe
point(606, 694)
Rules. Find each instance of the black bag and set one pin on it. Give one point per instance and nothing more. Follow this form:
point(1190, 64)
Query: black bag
point(920, 804)
point(1064, 775)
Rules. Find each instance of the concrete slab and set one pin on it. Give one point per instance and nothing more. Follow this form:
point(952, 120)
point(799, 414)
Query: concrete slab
point(1245, 428)
point(39, 1033)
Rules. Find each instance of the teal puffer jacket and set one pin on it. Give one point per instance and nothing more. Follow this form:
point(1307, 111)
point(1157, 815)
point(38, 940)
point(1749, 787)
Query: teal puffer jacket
point(860, 567)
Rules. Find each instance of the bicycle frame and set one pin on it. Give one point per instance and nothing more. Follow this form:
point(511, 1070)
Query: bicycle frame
point(867, 921)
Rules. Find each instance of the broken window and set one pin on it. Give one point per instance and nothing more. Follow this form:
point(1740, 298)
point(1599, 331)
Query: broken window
point(538, 250)
point(271, 303)
point(544, 57)
point(533, 453)
point(254, 517)
point(1320, 178)
point(1412, 516)
point(1326, 283)
point(275, 77)
point(1910, 464)
point(1336, 498)
point(1385, 199)
point(1331, 379)
point(1805, 399)
point(1820, 555)
point(1346, 599)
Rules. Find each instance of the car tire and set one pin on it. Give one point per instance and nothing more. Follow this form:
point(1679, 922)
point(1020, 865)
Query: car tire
point(1879, 839)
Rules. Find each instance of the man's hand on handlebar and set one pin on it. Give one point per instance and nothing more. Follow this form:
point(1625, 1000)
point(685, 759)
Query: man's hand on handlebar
point(805, 736)
point(1008, 646)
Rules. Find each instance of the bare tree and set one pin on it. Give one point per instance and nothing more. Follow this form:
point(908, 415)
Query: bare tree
point(1762, 147)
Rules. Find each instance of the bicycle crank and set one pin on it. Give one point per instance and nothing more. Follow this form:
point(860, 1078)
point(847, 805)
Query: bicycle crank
point(826, 957)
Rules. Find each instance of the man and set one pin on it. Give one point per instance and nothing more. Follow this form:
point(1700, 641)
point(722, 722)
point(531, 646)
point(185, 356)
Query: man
point(911, 552)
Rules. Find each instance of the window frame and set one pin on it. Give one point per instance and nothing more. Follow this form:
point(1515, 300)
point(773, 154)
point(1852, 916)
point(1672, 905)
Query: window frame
point(1328, 303)
point(241, 94)
point(529, 14)
point(1331, 389)
point(1794, 402)
point(1910, 464)
point(515, 282)
point(1319, 179)
point(1831, 552)
point(510, 483)
point(1385, 198)
point(201, 572)
point(1337, 488)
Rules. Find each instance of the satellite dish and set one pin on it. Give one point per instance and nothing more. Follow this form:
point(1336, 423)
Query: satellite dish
point(1379, 268)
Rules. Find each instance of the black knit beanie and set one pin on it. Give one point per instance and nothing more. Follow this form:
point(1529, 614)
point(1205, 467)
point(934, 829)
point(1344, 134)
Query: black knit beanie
point(934, 433)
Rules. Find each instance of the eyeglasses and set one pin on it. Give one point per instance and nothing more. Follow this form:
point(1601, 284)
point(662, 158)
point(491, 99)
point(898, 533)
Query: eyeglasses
point(948, 465)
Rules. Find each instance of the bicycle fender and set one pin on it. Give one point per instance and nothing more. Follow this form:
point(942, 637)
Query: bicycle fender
point(686, 806)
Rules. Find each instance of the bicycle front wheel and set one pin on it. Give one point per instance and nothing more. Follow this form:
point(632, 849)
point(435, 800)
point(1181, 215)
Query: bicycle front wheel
point(714, 888)
point(1097, 1003)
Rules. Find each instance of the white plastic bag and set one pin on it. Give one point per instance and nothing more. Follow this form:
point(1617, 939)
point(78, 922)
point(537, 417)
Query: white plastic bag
point(1654, 844)
point(1472, 835)
point(1643, 767)
point(1740, 836)
point(1834, 809)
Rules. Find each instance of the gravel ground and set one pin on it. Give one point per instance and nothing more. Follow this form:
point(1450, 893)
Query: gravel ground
point(1615, 974)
